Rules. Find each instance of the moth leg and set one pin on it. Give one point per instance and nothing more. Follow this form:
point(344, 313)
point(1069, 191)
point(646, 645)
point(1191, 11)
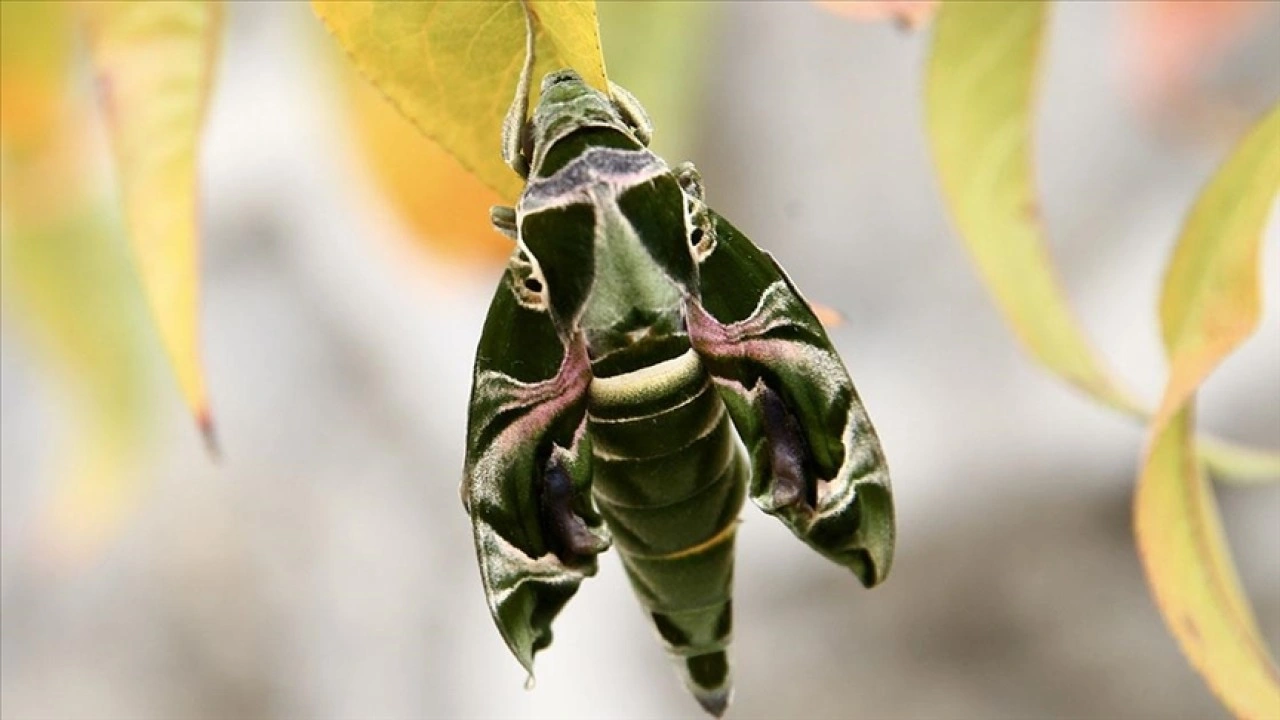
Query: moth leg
point(504, 220)
point(690, 181)
point(568, 533)
point(515, 127)
point(632, 112)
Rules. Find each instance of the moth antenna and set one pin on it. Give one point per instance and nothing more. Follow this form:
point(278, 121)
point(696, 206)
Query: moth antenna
point(515, 130)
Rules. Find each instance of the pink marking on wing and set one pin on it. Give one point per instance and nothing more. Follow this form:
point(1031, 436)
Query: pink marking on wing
point(547, 399)
point(743, 338)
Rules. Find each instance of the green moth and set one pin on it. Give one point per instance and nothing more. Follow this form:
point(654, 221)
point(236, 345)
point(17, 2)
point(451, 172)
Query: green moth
point(642, 369)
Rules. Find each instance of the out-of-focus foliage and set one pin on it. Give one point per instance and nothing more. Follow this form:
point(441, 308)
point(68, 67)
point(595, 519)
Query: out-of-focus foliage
point(980, 97)
point(451, 67)
point(67, 281)
point(981, 83)
point(153, 66)
point(907, 13)
point(1176, 41)
point(657, 50)
point(1211, 302)
point(445, 205)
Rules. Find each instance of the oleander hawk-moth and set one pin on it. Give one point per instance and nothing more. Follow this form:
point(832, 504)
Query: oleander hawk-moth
point(643, 367)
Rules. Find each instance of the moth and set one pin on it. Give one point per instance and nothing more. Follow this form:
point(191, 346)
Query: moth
point(642, 369)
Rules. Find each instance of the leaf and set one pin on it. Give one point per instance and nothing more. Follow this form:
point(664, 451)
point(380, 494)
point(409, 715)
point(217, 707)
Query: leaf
point(981, 83)
point(980, 91)
point(906, 13)
point(1236, 463)
point(1210, 304)
point(154, 66)
point(451, 67)
point(67, 284)
point(35, 57)
point(445, 206)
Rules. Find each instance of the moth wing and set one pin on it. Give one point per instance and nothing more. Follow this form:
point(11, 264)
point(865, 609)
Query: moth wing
point(526, 484)
point(817, 463)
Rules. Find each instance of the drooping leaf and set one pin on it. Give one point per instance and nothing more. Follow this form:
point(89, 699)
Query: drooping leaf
point(67, 286)
point(981, 87)
point(154, 66)
point(1210, 303)
point(445, 206)
point(1236, 463)
point(451, 67)
point(980, 95)
point(35, 59)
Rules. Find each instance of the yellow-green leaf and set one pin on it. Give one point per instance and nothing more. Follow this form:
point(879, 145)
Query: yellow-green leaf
point(451, 67)
point(67, 286)
point(980, 95)
point(1211, 300)
point(445, 206)
point(1210, 304)
point(153, 66)
point(1236, 463)
point(981, 87)
point(35, 57)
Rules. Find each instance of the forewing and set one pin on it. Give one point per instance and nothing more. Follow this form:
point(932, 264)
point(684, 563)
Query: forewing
point(527, 479)
point(817, 463)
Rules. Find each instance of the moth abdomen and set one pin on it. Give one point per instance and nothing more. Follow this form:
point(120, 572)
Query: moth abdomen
point(669, 479)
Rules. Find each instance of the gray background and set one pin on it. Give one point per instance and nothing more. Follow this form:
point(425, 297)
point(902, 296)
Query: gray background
point(324, 569)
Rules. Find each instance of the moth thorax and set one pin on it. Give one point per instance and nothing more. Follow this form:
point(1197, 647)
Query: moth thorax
point(632, 298)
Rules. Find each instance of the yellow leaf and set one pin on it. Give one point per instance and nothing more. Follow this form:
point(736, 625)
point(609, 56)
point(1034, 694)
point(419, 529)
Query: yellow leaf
point(1236, 463)
point(67, 285)
point(981, 88)
point(153, 64)
point(446, 206)
point(451, 67)
point(1210, 304)
point(35, 56)
point(1184, 552)
point(1211, 300)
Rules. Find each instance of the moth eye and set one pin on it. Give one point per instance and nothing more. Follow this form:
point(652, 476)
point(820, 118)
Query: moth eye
point(532, 285)
point(695, 237)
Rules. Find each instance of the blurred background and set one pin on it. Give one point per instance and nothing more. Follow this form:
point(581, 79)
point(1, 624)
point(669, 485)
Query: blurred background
point(324, 568)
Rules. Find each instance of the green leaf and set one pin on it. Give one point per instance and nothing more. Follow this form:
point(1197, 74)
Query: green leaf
point(451, 67)
point(153, 64)
point(1210, 303)
point(980, 96)
point(981, 87)
point(1238, 464)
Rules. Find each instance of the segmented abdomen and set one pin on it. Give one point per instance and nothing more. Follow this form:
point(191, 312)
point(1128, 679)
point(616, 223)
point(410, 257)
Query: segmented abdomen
point(669, 477)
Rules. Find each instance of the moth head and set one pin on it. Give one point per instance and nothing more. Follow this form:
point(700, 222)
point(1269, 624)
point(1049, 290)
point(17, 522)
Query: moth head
point(567, 104)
